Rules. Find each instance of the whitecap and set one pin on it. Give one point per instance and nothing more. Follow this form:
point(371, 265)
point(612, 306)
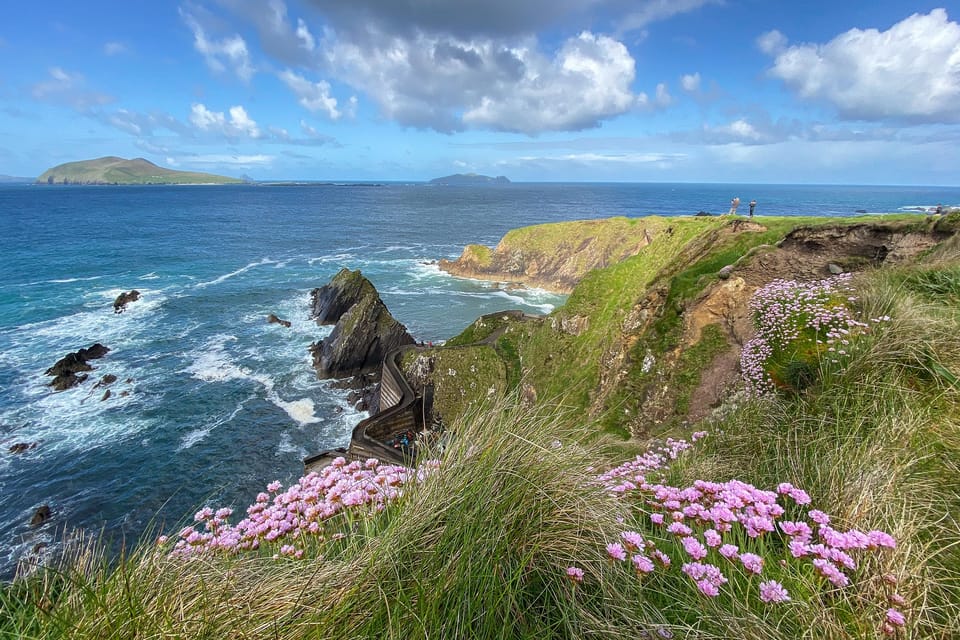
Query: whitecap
point(233, 274)
point(198, 435)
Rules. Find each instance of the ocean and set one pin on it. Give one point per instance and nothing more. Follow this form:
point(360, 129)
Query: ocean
point(211, 402)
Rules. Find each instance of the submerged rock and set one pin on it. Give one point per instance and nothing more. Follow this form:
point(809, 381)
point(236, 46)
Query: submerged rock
point(20, 447)
point(364, 332)
point(41, 515)
point(120, 304)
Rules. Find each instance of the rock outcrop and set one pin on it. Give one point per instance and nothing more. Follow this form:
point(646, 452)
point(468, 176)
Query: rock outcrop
point(364, 332)
point(558, 255)
point(120, 304)
point(66, 368)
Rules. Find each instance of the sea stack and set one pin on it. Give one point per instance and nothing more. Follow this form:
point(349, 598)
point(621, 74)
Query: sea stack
point(364, 330)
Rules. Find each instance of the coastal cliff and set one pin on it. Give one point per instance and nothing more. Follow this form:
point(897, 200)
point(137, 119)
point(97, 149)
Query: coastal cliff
point(658, 311)
point(556, 256)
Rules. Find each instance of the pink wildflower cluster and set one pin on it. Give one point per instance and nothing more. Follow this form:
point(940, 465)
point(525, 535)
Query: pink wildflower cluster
point(704, 525)
point(299, 513)
point(786, 312)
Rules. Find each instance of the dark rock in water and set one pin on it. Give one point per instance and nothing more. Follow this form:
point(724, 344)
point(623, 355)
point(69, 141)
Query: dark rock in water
point(273, 319)
point(120, 304)
point(93, 352)
point(66, 381)
point(70, 363)
point(331, 301)
point(106, 380)
point(124, 394)
point(702, 214)
point(66, 368)
point(860, 211)
point(20, 447)
point(106, 394)
point(41, 515)
point(364, 332)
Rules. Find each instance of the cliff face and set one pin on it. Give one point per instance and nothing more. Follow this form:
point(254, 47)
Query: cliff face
point(654, 339)
point(364, 332)
point(556, 256)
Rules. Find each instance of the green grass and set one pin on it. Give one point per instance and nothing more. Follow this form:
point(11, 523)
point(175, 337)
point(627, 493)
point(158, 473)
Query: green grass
point(480, 549)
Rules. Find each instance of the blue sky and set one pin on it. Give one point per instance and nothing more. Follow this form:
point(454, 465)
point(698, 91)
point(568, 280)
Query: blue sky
point(761, 91)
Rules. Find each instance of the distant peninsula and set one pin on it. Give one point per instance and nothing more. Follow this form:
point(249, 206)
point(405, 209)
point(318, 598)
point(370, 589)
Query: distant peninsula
point(4, 179)
point(113, 170)
point(468, 179)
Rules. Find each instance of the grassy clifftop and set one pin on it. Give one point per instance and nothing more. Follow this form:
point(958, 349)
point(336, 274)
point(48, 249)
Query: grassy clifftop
point(826, 507)
point(113, 170)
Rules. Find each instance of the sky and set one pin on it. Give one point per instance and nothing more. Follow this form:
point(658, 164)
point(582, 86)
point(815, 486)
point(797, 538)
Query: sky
point(735, 91)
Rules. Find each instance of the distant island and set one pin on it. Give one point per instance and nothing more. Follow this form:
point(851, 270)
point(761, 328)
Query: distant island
point(13, 179)
point(469, 179)
point(113, 170)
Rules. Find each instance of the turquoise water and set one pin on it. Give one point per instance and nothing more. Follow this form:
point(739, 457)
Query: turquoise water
point(219, 402)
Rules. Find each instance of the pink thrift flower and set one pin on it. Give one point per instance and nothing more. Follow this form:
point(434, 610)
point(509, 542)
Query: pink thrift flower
point(729, 551)
point(615, 551)
point(752, 562)
point(707, 588)
point(693, 547)
point(575, 574)
point(274, 486)
point(661, 557)
point(773, 591)
point(712, 538)
point(632, 539)
point(819, 517)
point(895, 617)
point(642, 563)
point(656, 518)
point(679, 529)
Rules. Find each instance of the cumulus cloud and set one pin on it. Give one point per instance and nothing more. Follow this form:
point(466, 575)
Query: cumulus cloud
point(587, 81)
point(772, 42)
point(68, 88)
point(472, 63)
point(312, 96)
point(293, 45)
point(910, 72)
point(430, 81)
point(238, 125)
point(661, 100)
point(231, 50)
point(690, 82)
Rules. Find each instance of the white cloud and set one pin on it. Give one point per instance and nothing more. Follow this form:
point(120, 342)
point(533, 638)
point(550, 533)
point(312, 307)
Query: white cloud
point(114, 48)
point(235, 161)
point(64, 87)
point(909, 72)
point(304, 35)
point(772, 42)
point(661, 100)
point(231, 49)
point(656, 10)
point(238, 125)
point(312, 96)
point(690, 82)
point(588, 80)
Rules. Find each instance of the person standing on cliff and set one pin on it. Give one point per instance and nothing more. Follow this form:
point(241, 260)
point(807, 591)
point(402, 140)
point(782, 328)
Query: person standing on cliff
point(733, 205)
point(753, 205)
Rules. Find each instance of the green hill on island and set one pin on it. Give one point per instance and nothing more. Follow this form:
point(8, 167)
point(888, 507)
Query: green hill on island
point(114, 170)
point(469, 180)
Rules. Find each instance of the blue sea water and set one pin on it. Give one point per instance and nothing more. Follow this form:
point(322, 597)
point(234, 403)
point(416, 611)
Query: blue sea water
point(219, 402)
